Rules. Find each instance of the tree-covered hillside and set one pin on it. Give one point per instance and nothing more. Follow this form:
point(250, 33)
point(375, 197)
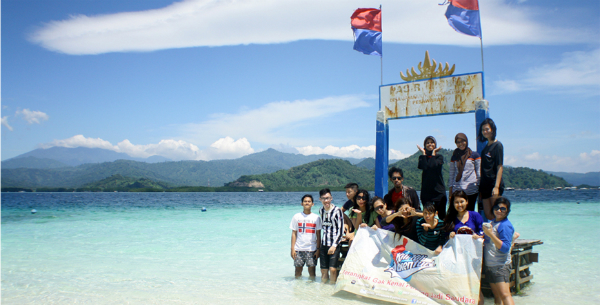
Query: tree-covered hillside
point(332, 173)
point(336, 173)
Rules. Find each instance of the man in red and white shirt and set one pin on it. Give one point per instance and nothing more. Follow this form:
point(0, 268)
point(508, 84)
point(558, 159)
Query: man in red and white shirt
point(306, 236)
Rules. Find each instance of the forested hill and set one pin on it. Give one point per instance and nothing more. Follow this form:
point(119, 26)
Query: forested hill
point(336, 173)
point(332, 173)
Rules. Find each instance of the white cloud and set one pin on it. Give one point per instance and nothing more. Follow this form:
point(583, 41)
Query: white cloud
point(577, 72)
point(32, 116)
point(224, 148)
point(586, 162)
point(195, 23)
point(263, 124)
point(351, 151)
point(80, 141)
point(5, 123)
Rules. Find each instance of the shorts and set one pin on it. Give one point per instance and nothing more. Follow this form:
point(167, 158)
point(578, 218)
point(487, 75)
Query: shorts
point(330, 261)
point(497, 274)
point(305, 257)
point(485, 190)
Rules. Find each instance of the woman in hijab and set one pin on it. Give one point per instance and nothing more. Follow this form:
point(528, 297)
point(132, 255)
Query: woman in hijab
point(464, 170)
point(432, 182)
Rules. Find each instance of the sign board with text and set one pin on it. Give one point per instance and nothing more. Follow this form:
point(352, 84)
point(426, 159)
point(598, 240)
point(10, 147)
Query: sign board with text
point(445, 95)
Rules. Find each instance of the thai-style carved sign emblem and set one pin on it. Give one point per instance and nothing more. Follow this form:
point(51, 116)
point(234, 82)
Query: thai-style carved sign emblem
point(428, 70)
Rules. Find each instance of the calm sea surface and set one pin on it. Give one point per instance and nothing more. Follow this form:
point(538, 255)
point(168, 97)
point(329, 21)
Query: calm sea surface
point(160, 248)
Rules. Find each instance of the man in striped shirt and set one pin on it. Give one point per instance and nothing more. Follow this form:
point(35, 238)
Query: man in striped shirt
point(332, 221)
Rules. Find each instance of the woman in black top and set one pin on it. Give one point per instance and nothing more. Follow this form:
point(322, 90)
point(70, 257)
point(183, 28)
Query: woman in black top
point(492, 158)
point(433, 188)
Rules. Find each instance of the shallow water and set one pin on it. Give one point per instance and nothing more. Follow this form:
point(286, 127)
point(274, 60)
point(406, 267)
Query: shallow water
point(160, 248)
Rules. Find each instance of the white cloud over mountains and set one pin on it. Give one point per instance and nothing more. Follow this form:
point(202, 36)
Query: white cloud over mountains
point(224, 148)
point(197, 23)
point(351, 151)
point(586, 161)
point(577, 72)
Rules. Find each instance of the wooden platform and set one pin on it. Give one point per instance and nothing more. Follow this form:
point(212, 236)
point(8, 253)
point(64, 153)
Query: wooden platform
point(523, 258)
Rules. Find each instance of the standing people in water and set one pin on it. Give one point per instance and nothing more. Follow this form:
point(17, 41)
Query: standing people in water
point(306, 237)
point(401, 191)
point(459, 220)
point(464, 170)
point(432, 181)
point(496, 252)
point(332, 219)
point(492, 158)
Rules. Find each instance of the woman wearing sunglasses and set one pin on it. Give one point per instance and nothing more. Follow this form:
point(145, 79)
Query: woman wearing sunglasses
point(496, 250)
point(380, 208)
point(362, 211)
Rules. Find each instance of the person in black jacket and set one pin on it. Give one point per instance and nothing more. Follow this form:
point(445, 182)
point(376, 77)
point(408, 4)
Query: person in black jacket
point(433, 188)
point(401, 191)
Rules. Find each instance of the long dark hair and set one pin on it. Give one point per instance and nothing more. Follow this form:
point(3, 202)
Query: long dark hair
point(452, 212)
point(368, 204)
point(401, 228)
point(490, 122)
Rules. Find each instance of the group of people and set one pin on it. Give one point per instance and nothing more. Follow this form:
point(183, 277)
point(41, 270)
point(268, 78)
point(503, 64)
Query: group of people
point(471, 177)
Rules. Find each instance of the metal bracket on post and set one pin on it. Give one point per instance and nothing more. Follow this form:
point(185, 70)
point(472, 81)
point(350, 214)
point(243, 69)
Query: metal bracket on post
point(381, 154)
point(481, 113)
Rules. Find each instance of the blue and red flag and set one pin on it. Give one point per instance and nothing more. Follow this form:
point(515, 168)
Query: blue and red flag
point(366, 24)
point(463, 16)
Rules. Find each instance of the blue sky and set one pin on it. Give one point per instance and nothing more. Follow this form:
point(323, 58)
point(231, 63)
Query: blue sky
point(204, 80)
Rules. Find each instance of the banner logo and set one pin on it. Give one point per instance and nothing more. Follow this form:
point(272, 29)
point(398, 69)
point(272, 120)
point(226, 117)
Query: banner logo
point(404, 263)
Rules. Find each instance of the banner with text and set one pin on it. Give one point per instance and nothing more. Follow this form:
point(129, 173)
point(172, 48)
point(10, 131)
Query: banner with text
point(445, 95)
point(399, 270)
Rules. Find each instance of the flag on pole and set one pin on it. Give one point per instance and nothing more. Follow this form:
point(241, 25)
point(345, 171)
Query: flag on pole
point(463, 17)
point(366, 24)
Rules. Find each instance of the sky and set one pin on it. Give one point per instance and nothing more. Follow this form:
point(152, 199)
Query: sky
point(210, 79)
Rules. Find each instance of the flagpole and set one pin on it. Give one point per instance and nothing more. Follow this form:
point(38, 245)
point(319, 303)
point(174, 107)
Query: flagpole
point(481, 44)
point(381, 57)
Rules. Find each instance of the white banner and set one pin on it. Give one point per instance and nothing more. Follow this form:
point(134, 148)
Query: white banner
point(452, 94)
point(399, 270)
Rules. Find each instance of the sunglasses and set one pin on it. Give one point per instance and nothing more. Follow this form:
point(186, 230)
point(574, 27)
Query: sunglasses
point(502, 209)
point(361, 197)
point(326, 198)
point(396, 178)
point(378, 207)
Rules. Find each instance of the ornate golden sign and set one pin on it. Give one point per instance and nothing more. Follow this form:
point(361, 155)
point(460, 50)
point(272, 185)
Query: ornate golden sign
point(428, 70)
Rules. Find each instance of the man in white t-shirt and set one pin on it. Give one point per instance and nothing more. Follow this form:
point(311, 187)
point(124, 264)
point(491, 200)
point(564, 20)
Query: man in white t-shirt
point(306, 236)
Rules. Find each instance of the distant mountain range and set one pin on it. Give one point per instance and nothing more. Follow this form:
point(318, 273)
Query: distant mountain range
point(53, 168)
point(591, 178)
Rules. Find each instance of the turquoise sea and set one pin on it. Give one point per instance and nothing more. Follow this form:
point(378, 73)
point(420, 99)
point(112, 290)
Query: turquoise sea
point(160, 248)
